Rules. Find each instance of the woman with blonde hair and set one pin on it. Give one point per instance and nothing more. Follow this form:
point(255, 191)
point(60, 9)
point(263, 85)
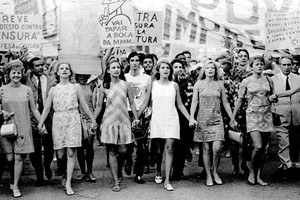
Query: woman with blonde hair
point(209, 95)
point(67, 133)
point(17, 102)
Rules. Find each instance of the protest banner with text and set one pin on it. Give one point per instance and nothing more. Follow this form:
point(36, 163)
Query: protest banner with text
point(20, 30)
point(148, 26)
point(282, 30)
point(116, 24)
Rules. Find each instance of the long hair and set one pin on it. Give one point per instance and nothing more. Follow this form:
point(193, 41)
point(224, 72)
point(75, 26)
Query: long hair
point(72, 75)
point(157, 75)
point(202, 75)
point(107, 78)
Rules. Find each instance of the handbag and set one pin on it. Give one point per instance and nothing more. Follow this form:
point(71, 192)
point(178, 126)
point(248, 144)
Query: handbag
point(9, 130)
point(138, 131)
point(235, 136)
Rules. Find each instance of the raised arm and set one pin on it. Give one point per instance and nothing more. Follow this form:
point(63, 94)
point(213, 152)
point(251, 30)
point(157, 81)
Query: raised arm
point(180, 105)
point(104, 60)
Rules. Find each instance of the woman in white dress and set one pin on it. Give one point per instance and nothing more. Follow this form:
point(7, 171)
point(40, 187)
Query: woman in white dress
point(165, 121)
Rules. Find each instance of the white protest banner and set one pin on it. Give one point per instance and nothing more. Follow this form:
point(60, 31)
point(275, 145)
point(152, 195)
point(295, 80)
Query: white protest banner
point(49, 49)
point(282, 30)
point(148, 26)
point(20, 30)
point(116, 24)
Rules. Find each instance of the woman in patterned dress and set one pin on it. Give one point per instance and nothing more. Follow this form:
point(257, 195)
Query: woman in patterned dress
point(66, 127)
point(210, 92)
point(116, 125)
point(256, 89)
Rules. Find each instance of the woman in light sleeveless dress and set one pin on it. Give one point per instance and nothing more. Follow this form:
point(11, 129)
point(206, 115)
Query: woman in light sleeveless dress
point(209, 95)
point(164, 121)
point(116, 126)
point(66, 128)
point(18, 99)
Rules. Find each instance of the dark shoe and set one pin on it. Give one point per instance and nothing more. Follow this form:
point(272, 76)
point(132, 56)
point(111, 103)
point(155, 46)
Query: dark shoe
point(90, 177)
point(80, 177)
point(48, 173)
point(139, 180)
point(40, 183)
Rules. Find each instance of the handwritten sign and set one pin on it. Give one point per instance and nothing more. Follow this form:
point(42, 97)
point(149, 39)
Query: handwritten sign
point(282, 30)
point(148, 27)
point(20, 30)
point(117, 24)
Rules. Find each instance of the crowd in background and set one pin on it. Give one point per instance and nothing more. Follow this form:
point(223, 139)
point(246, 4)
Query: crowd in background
point(179, 106)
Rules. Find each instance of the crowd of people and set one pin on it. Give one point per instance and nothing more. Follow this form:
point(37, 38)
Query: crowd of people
point(179, 106)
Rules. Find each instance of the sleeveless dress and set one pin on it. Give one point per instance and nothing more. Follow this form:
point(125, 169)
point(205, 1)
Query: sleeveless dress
point(16, 99)
point(116, 125)
point(210, 125)
point(164, 120)
point(258, 113)
point(66, 128)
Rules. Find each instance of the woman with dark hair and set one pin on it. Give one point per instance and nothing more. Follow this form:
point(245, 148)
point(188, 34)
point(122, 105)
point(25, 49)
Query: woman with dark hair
point(65, 98)
point(17, 102)
point(116, 125)
point(209, 93)
point(256, 89)
point(164, 120)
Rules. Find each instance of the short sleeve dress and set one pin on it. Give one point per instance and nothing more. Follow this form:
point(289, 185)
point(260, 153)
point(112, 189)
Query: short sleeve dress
point(16, 100)
point(66, 128)
point(210, 125)
point(258, 113)
point(165, 120)
point(116, 125)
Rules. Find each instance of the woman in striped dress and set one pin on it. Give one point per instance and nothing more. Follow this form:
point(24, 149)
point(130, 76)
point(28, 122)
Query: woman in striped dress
point(116, 125)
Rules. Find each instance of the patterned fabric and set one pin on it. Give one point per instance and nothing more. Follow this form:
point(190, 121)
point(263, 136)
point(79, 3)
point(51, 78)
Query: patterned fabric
point(16, 99)
point(116, 126)
point(164, 120)
point(66, 119)
point(210, 123)
point(88, 96)
point(258, 113)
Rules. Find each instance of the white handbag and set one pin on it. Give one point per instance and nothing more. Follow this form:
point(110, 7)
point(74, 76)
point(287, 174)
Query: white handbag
point(235, 136)
point(9, 130)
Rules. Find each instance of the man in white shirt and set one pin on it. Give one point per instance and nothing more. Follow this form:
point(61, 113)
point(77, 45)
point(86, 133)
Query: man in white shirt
point(40, 85)
point(288, 108)
point(141, 86)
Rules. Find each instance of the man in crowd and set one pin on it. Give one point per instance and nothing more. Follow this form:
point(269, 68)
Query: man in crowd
point(289, 110)
point(40, 85)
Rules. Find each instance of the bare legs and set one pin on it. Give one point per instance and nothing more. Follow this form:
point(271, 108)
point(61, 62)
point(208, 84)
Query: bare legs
point(216, 147)
point(71, 153)
point(260, 141)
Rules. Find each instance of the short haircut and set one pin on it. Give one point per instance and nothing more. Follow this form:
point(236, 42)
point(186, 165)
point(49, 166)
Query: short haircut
point(287, 57)
point(132, 54)
point(33, 60)
point(244, 50)
point(149, 56)
point(177, 61)
point(13, 64)
point(186, 52)
point(259, 58)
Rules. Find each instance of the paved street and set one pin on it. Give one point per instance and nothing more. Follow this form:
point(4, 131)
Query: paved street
point(192, 187)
